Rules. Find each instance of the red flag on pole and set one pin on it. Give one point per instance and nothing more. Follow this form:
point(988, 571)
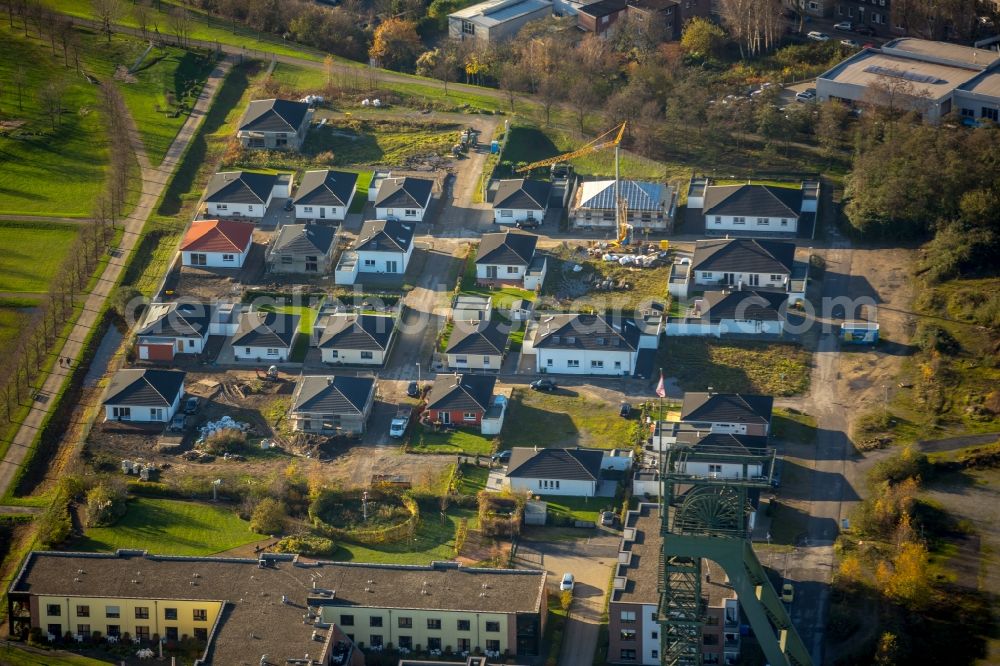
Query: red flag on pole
point(660, 389)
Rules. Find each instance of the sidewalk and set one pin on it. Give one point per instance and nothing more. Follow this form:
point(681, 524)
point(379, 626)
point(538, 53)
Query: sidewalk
point(154, 181)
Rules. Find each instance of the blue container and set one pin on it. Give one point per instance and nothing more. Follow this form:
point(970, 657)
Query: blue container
point(494, 147)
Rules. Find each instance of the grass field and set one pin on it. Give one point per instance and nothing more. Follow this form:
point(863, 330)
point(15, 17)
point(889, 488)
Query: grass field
point(166, 87)
point(30, 254)
point(171, 527)
point(777, 368)
point(502, 297)
point(791, 425)
point(13, 656)
point(48, 171)
point(472, 479)
point(530, 144)
point(393, 142)
point(434, 539)
point(565, 418)
point(460, 441)
point(577, 508)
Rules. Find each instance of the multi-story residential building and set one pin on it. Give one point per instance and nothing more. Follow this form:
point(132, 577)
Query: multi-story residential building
point(633, 630)
point(600, 17)
point(276, 609)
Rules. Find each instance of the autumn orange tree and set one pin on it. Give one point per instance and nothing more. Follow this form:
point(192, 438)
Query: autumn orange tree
point(396, 44)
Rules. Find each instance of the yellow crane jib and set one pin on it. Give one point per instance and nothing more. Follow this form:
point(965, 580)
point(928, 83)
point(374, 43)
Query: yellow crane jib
point(609, 139)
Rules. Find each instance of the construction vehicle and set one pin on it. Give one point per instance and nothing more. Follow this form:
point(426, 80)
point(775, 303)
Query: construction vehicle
point(270, 375)
point(611, 138)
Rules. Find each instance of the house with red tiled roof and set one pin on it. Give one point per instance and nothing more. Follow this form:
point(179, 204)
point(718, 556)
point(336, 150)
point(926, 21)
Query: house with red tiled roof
point(217, 244)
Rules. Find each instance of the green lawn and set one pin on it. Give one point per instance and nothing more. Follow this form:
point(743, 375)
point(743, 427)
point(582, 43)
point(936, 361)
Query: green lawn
point(460, 441)
point(577, 508)
point(306, 322)
point(530, 144)
point(369, 141)
point(31, 253)
point(472, 479)
point(13, 656)
point(434, 540)
point(502, 297)
point(171, 527)
point(565, 418)
point(361, 191)
point(791, 425)
point(48, 171)
point(167, 86)
point(775, 368)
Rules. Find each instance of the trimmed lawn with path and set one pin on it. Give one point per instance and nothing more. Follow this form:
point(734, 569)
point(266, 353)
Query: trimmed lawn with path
point(577, 508)
point(461, 440)
point(171, 527)
point(434, 540)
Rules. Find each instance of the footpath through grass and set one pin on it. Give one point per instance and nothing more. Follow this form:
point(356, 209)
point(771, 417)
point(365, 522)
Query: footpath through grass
point(171, 527)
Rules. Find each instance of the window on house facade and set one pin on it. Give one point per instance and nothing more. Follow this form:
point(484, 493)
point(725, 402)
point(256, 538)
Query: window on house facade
point(464, 644)
point(142, 633)
point(272, 352)
point(169, 613)
point(405, 642)
point(229, 258)
point(369, 262)
point(433, 623)
point(469, 416)
point(222, 206)
point(464, 625)
point(506, 213)
point(375, 640)
point(992, 114)
point(493, 627)
point(739, 220)
point(763, 222)
point(410, 212)
point(307, 209)
point(628, 655)
point(367, 355)
point(493, 645)
point(201, 634)
point(53, 610)
point(114, 630)
point(375, 621)
point(597, 364)
point(55, 630)
point(200, 615)
point(628, 634)
point(776, 278)
point(347, 620)
point(334, 353)
point(83, 630)
point(718, 219)
point(434, 643)
point(142, 612)
point(715, 469)
point(627, 617)
point(573, 363)
point(112, 611)
point(83, 611)
point(171, 634)
point(511, 269)
point(784, 222)
point(706, 275)
point(468, 28)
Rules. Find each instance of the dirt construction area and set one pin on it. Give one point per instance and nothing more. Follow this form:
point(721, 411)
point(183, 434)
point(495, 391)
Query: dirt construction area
point(262, 406)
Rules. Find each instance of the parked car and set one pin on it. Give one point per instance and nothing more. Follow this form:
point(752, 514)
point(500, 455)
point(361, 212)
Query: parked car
point(607, 518)
point(289, 204)
point(850, 43)
point(817, 36)
point(865, 30)
point(413, 390)
point(807, 95)
point(397, 427)
point(625, 410)
point(528, 224)
point(178, 422)
point(846, 26)
point(502, 457)
point(567, 582)
point(787, 593)
point(543, 385)
point(191, 405)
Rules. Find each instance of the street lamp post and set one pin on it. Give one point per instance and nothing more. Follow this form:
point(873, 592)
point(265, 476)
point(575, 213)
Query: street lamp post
point(418, 375)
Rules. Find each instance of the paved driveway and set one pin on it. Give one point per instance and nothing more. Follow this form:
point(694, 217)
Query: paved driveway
point(589, 558)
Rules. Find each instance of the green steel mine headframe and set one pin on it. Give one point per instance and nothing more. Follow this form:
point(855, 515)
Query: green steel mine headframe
point(705, 516)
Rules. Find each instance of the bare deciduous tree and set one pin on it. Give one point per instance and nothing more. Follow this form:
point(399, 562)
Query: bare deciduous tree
point(180, 24)
point(50, 97)
point(108, 13)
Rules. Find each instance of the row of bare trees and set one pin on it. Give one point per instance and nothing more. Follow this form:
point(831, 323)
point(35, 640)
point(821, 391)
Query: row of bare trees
point(23, 364)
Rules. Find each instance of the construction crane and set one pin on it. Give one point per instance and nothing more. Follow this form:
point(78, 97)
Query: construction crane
point(613, 137)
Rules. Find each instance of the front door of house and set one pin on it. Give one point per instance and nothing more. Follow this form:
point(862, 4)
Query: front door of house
point(322, 211)
point(391, 267)
point(755, 279)
point(729, 278)
point(491, 272)
point(445, 417)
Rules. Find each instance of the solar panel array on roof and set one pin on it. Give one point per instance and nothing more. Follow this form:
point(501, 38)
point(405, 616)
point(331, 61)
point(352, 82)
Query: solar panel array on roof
point(904, 74)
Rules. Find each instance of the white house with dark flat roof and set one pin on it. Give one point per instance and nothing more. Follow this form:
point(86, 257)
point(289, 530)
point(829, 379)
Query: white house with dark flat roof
point(495, 20)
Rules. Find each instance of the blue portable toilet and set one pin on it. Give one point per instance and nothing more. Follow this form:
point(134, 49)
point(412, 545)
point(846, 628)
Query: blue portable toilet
point(494, 147)
point(857, 332)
